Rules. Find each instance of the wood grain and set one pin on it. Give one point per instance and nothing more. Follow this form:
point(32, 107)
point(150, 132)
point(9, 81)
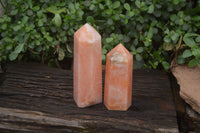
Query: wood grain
point(39, 98)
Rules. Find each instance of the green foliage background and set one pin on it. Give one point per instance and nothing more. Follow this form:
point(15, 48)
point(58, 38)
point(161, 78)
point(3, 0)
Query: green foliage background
point(154, 31)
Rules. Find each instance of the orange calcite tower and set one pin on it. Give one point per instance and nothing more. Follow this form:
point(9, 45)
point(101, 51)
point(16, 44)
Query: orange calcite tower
point(87, 67)
point(118, 80)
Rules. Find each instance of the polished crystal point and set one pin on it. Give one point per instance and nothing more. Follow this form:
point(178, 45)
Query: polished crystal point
point(87, 67)
point(118, 80)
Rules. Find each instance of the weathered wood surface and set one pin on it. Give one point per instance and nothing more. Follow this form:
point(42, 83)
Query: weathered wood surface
point(36, 98)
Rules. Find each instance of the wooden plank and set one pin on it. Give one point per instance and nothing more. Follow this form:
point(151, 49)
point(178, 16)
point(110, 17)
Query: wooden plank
point(30, 88)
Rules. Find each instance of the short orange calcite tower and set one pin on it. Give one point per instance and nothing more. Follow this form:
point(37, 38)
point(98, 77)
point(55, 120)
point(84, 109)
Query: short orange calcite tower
point(118, 80)
point(87, 67)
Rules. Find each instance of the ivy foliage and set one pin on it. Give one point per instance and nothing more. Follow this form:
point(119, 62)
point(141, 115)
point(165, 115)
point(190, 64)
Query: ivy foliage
point(152, 30)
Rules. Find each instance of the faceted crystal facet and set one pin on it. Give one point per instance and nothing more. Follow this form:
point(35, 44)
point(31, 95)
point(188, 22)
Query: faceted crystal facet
point(118, 80)
point(87, 67)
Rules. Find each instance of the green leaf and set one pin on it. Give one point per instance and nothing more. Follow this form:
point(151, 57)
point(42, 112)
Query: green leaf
point(109, 21)
point(19, 48)
point(181, 22)
point(108, 11)
point(115, 17)
point(49, 38)
point(37, 42)
point(175, 37)
point(14, 12)
point(120, 37)
point(132, 48)
point(188, 41)
point(140, 49)
point(24, 19)
point(138, 57)
point(13, 56)
point(55, 10)
point(138, 64)
point(61, 54)
point(191, 35)
point(151, 9)
point(92, 7)
point(196, 18)
point(147, 43)
point(154, 23)
point(127, 6)
point(127, 39)
point(77, 5)
point(4, 26)
point(57, 20)
point(103, 57)
point(17, 27)
point(157, 13)
point(108, 2)
point(173, 17)
point(193, 62)
point(39, 14)
point(150, 33)
point(131, 13)
point(197, 39)
point(125, 21)
point(180, 60)
point(187, 18)
point(9, 47)
point(90, 19)
point(187, 53)
point(2, 20)
point(180, 14)
point(101, 6)
point(87, 3)
point(168, 46)
point(116, 4)
point(29, 12)
point(104, 51)
point(175, 2)
point(80, 13)
point(36, 8)
point(30, 3)
point(108, 40)
point(122, 16)
point(137, 3)
point(165, 65)
point(16, 52)
point(196, 51)
point(166, 31)
point(62, 10)
point(68, 48)
point(40, 22)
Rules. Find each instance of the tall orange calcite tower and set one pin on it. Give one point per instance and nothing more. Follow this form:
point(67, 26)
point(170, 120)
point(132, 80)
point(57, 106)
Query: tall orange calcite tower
point(87, 67)
point(118, 80)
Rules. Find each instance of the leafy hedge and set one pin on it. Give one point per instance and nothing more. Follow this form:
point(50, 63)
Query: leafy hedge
point(154, 31)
